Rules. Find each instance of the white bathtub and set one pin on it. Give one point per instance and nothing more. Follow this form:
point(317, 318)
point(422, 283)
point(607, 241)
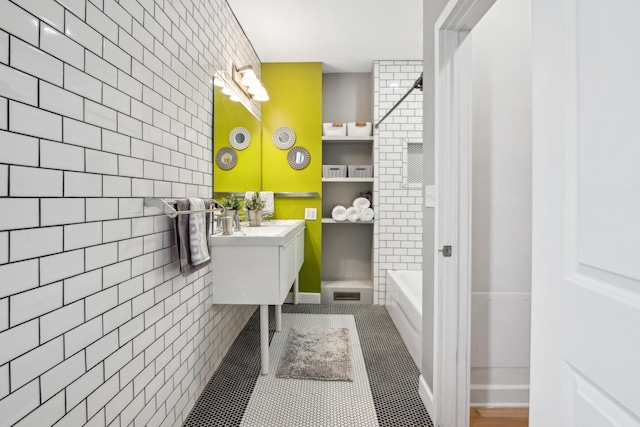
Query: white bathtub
point(404, 303)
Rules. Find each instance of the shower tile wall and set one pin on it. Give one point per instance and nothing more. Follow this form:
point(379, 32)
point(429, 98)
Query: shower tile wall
point(398, 231)
point(103, 103)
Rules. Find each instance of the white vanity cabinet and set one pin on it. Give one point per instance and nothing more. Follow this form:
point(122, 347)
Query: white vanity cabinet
point(255, 274)
point(258, 266)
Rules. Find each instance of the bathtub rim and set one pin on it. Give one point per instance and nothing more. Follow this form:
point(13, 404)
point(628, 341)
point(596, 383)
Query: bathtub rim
point(407, 319)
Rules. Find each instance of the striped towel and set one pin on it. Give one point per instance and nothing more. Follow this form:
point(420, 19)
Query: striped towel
point(198, 232)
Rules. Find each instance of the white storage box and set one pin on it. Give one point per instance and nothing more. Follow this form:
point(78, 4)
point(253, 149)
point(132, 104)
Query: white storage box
point(334, 171)
point(359, 129)
point(360, 171)
point(334, 129)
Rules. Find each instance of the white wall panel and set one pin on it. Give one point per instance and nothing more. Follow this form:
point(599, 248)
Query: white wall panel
point(501, 206)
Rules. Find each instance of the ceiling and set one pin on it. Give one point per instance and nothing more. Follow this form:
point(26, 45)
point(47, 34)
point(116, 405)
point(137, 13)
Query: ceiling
point(345, 35)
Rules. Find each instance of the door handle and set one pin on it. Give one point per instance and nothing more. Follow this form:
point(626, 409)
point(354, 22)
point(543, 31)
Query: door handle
point(446, 251)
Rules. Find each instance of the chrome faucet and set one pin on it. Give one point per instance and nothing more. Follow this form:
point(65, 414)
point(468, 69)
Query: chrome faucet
point(236, 221)
point(219, 205)
point(217, 216)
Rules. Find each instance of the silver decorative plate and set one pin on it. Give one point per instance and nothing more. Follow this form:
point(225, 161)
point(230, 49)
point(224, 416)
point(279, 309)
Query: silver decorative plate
point(298, 158)
point(226, 158)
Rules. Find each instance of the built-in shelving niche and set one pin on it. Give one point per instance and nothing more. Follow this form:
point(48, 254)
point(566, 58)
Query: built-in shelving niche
point(347, 248)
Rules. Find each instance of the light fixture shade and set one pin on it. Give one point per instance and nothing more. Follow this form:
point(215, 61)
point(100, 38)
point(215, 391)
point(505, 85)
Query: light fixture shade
point(255, 89)
point(261, 96)
point(249, 79)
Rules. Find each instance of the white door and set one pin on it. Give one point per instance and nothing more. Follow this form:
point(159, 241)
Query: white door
point(585, 353)
point(585, 338)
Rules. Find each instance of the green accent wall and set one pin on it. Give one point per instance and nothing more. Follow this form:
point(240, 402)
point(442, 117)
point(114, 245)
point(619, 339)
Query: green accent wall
point(295, 90)
point(246, 175)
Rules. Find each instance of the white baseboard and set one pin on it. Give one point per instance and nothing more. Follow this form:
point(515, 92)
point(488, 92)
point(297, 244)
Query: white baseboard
point(499, 396)
point(500, 405)
point(427, 399)
point(304, 298)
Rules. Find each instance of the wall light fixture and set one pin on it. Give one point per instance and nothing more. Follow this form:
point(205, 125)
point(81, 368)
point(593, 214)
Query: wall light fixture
point(242, 85)
point(245, 78)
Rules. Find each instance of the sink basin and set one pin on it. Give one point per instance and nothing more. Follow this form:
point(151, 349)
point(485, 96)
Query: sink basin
point(262, 231)
point(276, 232)
point(280, 223)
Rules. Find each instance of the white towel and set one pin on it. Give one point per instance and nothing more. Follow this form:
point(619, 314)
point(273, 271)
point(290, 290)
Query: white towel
point(267, 198)
point(361, 202)
point(366, 214)
point(353, 213)
point(197, 232)
point(339, 213)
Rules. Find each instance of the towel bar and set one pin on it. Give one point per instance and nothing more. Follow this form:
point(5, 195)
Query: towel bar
point(165, 205)
point(276, 194)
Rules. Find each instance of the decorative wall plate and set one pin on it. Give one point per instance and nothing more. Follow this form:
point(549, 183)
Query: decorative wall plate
point(284, 137)
point(298, 157)
point(226, 158)
point(240, 138)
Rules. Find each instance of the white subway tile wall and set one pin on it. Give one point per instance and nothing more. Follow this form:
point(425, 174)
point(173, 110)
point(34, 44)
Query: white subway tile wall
point(103, 103)
point(4, 47)
point(398, 231)
point(18, 85)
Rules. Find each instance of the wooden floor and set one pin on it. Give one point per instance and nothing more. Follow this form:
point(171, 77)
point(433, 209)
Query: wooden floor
point(499, 417)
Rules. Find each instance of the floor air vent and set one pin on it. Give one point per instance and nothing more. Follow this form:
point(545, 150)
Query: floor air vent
point(346, 296)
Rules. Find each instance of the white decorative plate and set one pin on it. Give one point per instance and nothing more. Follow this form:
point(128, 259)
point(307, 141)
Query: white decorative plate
point(240, 138)
point(284, 137)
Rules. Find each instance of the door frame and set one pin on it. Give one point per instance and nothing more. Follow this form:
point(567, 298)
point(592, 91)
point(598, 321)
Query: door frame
point(453, 130)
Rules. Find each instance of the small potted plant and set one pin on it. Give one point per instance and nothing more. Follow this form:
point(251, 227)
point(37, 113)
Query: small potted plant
point(254, 207)
point(232, 205)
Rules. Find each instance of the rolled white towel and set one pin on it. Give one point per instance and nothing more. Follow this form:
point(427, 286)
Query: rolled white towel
point(339, 213)
point(353, 213)
point(366, 214)
point(361, 202)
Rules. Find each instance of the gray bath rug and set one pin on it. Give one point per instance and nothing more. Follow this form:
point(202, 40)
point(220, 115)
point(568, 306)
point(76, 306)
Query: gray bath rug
point(314, 353)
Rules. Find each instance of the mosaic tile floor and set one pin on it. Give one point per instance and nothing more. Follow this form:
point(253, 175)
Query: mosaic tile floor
point(286, 402)
point(392, 375)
